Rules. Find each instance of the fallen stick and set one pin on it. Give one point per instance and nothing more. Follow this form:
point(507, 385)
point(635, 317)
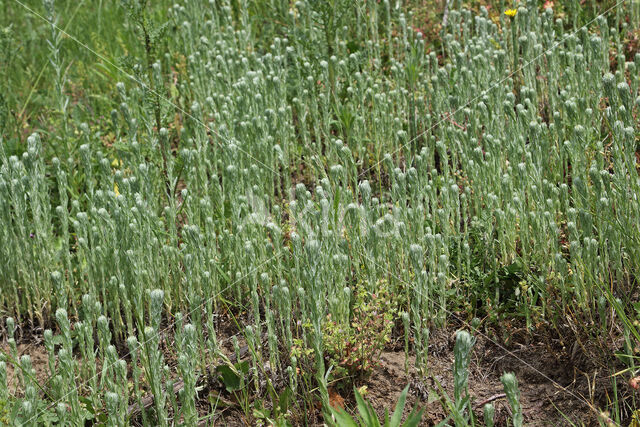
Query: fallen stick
point(490, 399)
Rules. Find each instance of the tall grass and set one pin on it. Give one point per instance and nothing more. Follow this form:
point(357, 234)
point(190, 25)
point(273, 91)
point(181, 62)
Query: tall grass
point(279, 170)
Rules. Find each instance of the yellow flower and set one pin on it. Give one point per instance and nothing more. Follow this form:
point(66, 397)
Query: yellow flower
point(511, 12)
point(363, 390)
point(115, 189)
point(115, 163)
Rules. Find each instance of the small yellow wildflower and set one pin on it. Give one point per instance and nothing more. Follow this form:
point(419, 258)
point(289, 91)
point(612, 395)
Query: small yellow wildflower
point(115, 189)
point(363, 390)
point(511, 12)
point(115, 163)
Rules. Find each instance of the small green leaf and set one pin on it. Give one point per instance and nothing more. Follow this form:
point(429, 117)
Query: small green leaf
point(231, 377)
point(342, 419)
point(366, 411)
point(396, 418)
point(285, 397)
point(87, 404)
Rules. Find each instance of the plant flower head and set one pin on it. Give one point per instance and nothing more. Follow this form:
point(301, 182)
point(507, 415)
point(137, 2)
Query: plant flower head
point(511, 12)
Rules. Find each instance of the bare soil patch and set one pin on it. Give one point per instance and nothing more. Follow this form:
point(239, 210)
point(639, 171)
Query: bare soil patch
point(553, 386)
point(39, 362)
point(556, 383)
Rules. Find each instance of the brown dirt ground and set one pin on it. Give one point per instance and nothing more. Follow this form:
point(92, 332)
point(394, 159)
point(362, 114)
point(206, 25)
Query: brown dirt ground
point(39, 361)
point(555, 384)
point(543, 401)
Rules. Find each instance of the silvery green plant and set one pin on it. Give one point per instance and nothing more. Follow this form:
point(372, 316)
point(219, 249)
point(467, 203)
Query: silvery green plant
point(462, 357)
point(151, 356)
point(55, 51)
point(4, 387)
point(112, 403)
point(510, 383)
point(187, 362)
point(488, 412)
point(10, 324)
point(134, 350)
point(459, 408)
point(67, 365)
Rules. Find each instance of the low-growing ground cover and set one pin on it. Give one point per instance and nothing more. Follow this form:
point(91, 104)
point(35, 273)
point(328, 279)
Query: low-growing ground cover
point(237, 211)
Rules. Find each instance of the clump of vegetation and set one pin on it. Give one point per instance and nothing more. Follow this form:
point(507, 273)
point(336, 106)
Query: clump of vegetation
point(353, 345)
point(368, 417)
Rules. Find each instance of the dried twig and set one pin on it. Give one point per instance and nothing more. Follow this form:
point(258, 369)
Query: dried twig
point(490, 399)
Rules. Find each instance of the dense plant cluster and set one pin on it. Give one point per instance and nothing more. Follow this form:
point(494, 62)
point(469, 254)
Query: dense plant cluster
point(354, 344)
point(282, 171)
